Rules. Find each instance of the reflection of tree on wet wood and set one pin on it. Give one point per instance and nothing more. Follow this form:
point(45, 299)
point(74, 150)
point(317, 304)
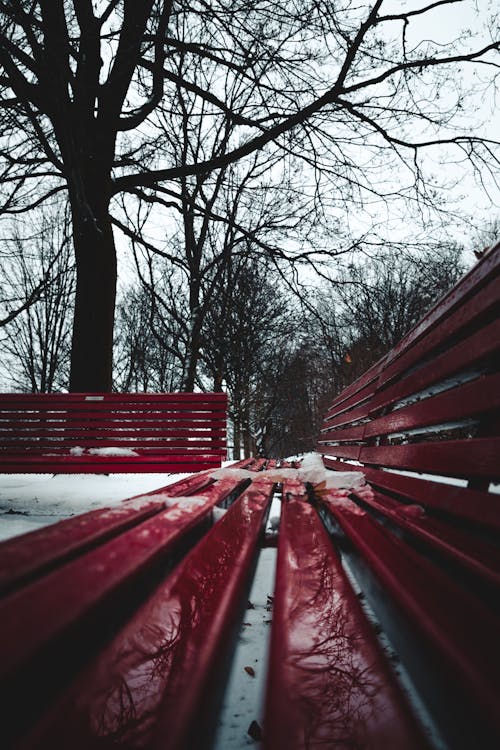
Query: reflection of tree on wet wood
point(328, 677)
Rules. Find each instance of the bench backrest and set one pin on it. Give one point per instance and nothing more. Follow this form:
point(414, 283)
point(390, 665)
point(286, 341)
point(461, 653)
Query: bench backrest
point(126, 432)
point(421, 540)
point(432, 404)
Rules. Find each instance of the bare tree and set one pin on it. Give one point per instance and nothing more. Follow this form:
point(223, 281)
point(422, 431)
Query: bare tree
point(82, 82)
point(372, 305)
point(246, 329)
point(36, 342)
point(147, 355)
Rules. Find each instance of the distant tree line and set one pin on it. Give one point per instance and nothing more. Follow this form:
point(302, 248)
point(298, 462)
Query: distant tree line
point(281, 356)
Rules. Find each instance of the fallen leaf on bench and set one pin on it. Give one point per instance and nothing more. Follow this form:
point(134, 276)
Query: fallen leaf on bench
point(255, 731)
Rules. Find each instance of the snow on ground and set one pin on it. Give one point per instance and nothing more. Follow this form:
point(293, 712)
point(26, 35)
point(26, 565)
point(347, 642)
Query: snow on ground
point(30, 501)
point(243, 702)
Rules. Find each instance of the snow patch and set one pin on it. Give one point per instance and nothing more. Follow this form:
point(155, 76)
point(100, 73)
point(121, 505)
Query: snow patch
point(110, 451)
point(311, 470)
point(189, 501)
point(43, 499)
point(218, 513)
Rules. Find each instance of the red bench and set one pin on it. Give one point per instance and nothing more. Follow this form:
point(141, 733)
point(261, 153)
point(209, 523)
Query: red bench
point(95, 433)
point(424, 426)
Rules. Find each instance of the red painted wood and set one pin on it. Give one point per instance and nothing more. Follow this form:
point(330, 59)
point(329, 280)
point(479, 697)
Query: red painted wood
point(96, 400)
point(485, 303)
point(474, 554)
point(245, 463)
point(481, 345)
point(118, 430)
point(183, 487)
point(153, 685)
point(139, 448)
point(64, 609)
point(337, 465)
point(329, 684)
point(89, 413)
point(122, 421)
point(478, 457)
point(258, 464)
point(163, 445)
point(349, 433)
point(364, 394)
point(343, 451)
point(147, 423)
point(363, 381)
point(108, 465)
point(472, 399)
point(456, 626)
point(347, 417)
point(471, 505)
point(28, 556)
point(157, 455)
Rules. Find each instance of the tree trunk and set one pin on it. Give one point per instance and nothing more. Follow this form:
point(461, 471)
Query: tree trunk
point(92, 344)
point(236, 441)
point(193, 357)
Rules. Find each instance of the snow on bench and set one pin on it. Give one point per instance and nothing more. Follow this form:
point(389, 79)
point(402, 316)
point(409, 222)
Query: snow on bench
point(94, 433)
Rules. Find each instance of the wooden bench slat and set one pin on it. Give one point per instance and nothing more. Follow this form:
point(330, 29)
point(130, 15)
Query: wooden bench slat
point(30, 555)
point(349, 433)
point(468, 400)
point(112, 465)
point(461, 502)
point(155, 684)
point(329, 683)
point(473, 553)
point(166, 432)
point(477, 457)
point(474, 281)
point(344, 451)
point(152, 456)
point(345, 418)
point(49, 625)
point(121, 426)
point(363, 381)
point(482, 345)
point(90, 411)
point(54, 442)
point(358, 398)
point(456, 627)
point(93, 400)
